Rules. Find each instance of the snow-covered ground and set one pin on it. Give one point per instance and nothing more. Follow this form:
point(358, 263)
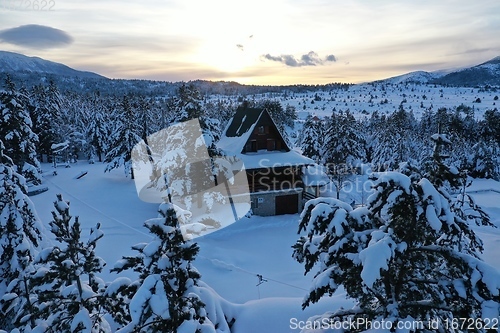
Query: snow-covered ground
point(384, 97)
point(229, 259)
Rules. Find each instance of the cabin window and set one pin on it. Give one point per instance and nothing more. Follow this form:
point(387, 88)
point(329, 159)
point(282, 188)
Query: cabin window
point(253, 145)
point(271, 144)
point(261, 130)
point(278, 145)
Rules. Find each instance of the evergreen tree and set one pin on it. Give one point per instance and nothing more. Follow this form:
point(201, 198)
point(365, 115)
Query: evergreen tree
point(442, 120)
point(186, 153)
point(46, 115)
point(448, 179)
point(311, 139)
point(164, 298)
point(222, 110)
point(71, 126)
point(98, 134)
point(20, 237)
point(491, 126)
point(485, 160)
point(427, 126)
point(69, 293)
point(372, 129)
point(16, 133)
point(342, 147)
point(143, 108)
point(441, 175)
point(405, 257)
point(125, 137)
point(96, 128)
point(282, 117)
point(396, 142)
point(187, 103)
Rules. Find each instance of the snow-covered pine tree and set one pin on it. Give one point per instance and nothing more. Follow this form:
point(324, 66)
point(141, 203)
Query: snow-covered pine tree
point(21, 234)
point(396, 141)
point(342, 147)
point(16, 133)
point(282, 117)
point(69, 293)
point(440, 174)
point(484, 161)
point(187, 103)
point(491, 125)
point(448, 179)
point(164, 297)
point(372, 128)
point(46, 116)
point(311, 139)
point(222, 110)
point(123, 140)
point(143, 108)
point(427, 125)
point(193, 168)
point(406, 257)
point(72, 113)
point(96, 130)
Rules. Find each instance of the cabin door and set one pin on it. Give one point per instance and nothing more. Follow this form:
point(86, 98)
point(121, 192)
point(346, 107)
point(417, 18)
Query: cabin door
point(287, 204)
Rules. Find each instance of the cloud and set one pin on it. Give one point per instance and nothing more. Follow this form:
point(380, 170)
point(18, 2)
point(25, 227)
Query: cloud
point(330, 57)
point(309, 59)
point(35, 36)
point(477, 50)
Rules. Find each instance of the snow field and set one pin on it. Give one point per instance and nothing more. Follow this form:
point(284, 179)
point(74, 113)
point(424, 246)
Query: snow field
point(229, 259)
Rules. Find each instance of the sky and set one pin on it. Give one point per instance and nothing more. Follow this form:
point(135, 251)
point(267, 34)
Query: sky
point(270, 42)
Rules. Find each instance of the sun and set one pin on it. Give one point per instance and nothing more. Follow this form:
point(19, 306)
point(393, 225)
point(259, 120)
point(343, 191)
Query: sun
point(224, 56)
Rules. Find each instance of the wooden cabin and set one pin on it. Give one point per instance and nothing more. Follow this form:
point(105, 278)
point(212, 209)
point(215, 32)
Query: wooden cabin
point(274, 170)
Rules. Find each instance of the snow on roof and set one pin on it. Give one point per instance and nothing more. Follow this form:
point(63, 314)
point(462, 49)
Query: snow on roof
point(236, 135)
point(314, 175)
point(273, 159)
point(243, 120)
point(239, 129)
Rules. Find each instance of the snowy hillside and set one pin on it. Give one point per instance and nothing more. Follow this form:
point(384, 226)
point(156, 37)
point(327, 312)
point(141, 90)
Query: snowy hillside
point(14, 63)
point(487, 73)
point(413, 77)
point(385, 98)
point(229, 259)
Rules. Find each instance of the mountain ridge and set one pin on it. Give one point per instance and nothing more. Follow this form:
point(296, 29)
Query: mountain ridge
point(487, 73)
point(11, 62)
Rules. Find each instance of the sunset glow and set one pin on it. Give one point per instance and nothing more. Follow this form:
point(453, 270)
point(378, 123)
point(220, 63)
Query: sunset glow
point(258, 42)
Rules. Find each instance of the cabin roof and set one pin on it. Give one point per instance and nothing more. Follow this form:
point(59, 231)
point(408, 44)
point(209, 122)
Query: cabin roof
point(237, 134)
point(239, 129)
point(243, 120)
